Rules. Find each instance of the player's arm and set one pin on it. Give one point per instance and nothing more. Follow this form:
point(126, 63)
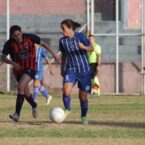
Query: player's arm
point(9, 61)
point(45, 45)
point(85, 43)
point(99, 58)
point(62, 56)
point(36, 39)
point(98, 53)
point(49, 65)
point(87, 48)
point(63, 63)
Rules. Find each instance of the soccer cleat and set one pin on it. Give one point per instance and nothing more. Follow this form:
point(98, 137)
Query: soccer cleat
point(48, 100)
point(14, 117)
point(66, 113)
point(84, 120)
point(34, 112)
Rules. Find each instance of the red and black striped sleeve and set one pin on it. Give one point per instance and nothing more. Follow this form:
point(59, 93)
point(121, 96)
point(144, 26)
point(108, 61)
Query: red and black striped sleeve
point(34, 38)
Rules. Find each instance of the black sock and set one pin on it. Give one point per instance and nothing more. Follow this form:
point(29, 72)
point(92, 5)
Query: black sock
point(31, 101)
point(19, 103)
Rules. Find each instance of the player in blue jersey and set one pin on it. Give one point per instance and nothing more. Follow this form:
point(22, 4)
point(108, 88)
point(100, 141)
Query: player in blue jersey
point(38, 84)
point(75, 67)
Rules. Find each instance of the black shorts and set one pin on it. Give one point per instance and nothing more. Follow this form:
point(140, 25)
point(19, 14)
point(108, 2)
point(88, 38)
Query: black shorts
point(93, 69)
point(29, 72)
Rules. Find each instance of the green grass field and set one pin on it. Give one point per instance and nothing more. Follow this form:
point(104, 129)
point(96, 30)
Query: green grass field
point(113, 120)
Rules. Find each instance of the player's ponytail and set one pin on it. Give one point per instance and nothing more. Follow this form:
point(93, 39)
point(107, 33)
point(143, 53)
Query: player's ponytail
point(76, 25)
point(70, 24)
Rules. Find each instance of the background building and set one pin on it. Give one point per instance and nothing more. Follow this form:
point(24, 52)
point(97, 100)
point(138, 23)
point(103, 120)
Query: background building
point(117, 24)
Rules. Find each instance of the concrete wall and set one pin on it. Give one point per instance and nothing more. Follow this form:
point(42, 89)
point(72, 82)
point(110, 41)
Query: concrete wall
point(3, 76)
point(37, 7)
point(27, 14)
point(129, 77)
point(134, 14)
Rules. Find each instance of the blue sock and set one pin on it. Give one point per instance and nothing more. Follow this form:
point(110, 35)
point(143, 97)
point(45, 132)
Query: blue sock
point(43, 91)
point(66, 102)
point(84, 107)
point(35, 93)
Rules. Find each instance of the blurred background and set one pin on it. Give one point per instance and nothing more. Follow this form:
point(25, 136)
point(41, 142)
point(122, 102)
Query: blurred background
point(117, 24)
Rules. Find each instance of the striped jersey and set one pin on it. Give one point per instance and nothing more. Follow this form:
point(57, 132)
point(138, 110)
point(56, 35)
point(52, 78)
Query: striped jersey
point(23, 53)
point(40, 54)
point(77, 58)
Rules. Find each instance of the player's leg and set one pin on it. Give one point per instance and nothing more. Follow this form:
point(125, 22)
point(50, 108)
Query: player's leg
point(95, 80)
point(37, 84)
point(68, 83)
point(42, 90)
point(93, 69)
point(24, 85)
point(84, 84)
point(93, 74)
point(67, 89)
point(19, 102)
point(28, 97)
point(84, 106)
point(22, 82)
point(36, 89)
point(45, 94)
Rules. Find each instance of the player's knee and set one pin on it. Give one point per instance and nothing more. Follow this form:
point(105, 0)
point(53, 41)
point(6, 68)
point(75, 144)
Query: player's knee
point(67, 92)
point(41, 89)
point(83, 98)
point(21, 88)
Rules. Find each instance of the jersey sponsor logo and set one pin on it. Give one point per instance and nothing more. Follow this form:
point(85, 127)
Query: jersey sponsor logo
point(23, 54)
point(88, 88)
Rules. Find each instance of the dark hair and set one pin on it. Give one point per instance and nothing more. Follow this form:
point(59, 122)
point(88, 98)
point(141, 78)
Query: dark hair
point(91, 36)
point(70, 23)
point(14, 28)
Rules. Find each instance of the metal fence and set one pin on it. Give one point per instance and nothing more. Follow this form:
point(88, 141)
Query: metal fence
point(117, 24)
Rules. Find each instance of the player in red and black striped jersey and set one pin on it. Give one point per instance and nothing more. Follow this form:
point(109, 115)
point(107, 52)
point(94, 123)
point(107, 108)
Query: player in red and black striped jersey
point(21, 49)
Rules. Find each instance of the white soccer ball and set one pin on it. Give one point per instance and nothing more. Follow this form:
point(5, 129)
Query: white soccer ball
point(56, 114)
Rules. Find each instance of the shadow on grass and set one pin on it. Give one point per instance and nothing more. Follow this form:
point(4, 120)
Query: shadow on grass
point(139, 125)
point(120, 124)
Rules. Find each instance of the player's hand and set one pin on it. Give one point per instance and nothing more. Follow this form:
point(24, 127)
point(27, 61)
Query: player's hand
point(57, 58)
point(82, 46)
point(16, 66)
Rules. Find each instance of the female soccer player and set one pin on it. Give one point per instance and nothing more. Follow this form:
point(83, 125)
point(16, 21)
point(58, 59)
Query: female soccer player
point(74, 47)
point(38, 82)
point(21, 49)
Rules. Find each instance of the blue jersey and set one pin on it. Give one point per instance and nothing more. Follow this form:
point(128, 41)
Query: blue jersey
point(77, 58)
point(40, 54)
